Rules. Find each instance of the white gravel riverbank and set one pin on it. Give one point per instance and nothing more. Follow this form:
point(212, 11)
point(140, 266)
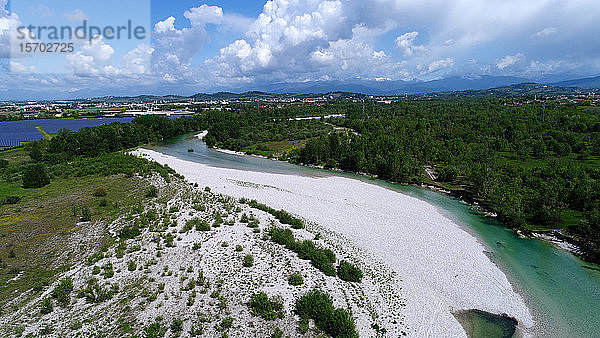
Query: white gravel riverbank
point(441, 267)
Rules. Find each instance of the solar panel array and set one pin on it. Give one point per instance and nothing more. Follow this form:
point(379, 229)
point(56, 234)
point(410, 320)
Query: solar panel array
point(12, 133)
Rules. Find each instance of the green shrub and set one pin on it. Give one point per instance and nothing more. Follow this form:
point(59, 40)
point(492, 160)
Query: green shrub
point(187, 227)
point(95, 293)
point(262, 306)
point(296, 279)
point(349, 272)
point(226, 323)
point(152, 192)
point(322, 259)
point(282, 236)
point(177, 325)
point(131, 266)
point(155, 330)
point(130, 231)
point(47, 306)
point(239, 248)
point(277, 333)
point(62, 292)
point(248, 261)
point(86, 214)
point(283, 216)
point(108, 270)
point(35, 176)
point(318, 306)
point(100, 192)
point(303, 325)
point(95, 257)
point(199, 224)
point(173, 209)
point(75, 325)
point(197, 246)
point(169, 238)
point(95, 270)
point(199, 207)
point(10, 200)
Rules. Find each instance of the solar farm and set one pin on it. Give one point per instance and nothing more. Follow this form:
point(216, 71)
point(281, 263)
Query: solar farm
point(12, 133)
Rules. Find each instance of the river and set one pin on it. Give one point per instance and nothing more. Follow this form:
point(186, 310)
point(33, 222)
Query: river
point(562, 291)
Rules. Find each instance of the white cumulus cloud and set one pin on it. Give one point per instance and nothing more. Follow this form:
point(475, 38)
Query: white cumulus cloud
point(548, 31)
point(440, 64)
point(510, 60)
point(405, 43)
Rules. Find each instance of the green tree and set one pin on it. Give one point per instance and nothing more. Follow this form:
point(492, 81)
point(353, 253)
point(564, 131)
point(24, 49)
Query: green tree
point(35, 176)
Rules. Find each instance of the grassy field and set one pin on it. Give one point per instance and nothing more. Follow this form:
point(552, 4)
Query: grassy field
point(42, 235)
point(43, 132)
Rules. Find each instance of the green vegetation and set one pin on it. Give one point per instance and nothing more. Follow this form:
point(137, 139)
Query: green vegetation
point(35, 176)
point(62, 292)
point(296, 279)
point(267, 309)
point(349, 272)
point(198, 224)
point(155, 330)
point(267, 134)
point(318, 306)
point(152, 192)
point(283, 216)
point(248, 261)
point(322, 259)
point(536, 164)
point(93, 292)
point(226, 323)
point(176, 325)
point(47, 306)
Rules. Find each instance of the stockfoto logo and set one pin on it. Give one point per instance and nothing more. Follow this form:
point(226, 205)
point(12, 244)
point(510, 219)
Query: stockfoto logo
point(83, 32)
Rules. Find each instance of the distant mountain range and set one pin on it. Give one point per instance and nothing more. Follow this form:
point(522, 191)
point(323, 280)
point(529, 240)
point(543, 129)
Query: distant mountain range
point(371, 87)
point(452, 86)
point(586, 83)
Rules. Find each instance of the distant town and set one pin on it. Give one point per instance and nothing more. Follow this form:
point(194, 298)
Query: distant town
point(112, 106)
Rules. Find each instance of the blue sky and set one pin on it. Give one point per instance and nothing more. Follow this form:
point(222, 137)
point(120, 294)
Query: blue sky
point(198, 46)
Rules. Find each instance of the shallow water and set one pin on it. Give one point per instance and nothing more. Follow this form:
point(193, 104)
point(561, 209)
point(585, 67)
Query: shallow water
point(562, 291)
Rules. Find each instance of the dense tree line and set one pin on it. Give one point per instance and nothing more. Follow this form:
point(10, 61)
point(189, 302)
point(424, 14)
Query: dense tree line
point(531, 164)
point(93, 141)
point(239, 129)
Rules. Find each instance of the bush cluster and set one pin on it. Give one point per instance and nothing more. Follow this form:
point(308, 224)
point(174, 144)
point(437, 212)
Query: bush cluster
point(349, 272)
point(248, 261)
point(322, 259)
point(35, 176)
point(296, 279)
point(199, 224)
point(283, 216)
point(267, 309)
point(62, 292)
point(318, 306)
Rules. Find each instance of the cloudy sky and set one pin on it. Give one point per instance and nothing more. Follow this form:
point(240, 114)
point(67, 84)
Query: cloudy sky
point(194, 46)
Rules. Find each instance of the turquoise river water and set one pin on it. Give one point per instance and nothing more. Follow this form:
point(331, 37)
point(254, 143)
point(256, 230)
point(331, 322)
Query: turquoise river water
point(562, 291)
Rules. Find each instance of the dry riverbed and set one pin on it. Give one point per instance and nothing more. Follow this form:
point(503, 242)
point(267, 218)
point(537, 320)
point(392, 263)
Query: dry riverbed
point(171, 272)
